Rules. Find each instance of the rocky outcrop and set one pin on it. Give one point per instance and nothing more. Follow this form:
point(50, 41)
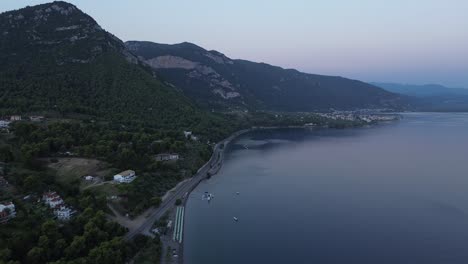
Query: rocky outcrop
point(171, 62)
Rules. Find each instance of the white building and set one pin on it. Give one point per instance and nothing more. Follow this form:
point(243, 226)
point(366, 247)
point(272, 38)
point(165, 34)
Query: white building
point(7, 212)
point(52, 199)
point(4, 124)
point(89, 178)
point(63, 213)
point(125, 176)
point(187, 134)
point(167, 157)
point(36, 118)
point(190, 135)
point(55, 202)
point(15, 118)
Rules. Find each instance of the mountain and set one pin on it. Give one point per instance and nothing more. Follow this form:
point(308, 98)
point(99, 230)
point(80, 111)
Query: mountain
point(57, 58)
point(431, 97)
point(216, 81)
point(422, 90)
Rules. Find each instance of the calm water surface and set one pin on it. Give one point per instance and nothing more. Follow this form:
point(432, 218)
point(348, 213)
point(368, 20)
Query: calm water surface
point(395, 193)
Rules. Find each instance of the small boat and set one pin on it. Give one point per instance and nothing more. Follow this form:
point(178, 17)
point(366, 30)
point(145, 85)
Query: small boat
point(237, 193)
point(235, 219)
point(207, 196)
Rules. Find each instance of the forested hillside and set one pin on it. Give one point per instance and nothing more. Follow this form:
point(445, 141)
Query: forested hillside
point(56, 58)
point(100, 104)
point(216, 81)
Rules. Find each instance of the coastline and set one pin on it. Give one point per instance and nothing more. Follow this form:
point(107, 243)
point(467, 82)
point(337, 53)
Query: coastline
point(217, 166)
point(219, 162)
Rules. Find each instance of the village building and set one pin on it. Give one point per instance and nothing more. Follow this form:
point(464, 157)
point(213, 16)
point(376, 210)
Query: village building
point(63, 213)
point(89, 178)
point(36, 118)
point(190, 135)
point(4, 124)
point(15, 118)
point(187, 134)
point(55, 202)
point(167, 157)
point(125, 176)
point(7, 212)
point(52, 199)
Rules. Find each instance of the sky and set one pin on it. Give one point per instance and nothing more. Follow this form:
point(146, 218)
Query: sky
point(404, 41)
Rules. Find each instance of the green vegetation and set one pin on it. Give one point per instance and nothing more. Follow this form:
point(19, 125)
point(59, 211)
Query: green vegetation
point(150, 252)
point(104, 106)
point(122, 148)
point(32, 237)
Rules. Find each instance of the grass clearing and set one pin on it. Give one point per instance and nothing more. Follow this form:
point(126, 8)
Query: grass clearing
point(72, 169)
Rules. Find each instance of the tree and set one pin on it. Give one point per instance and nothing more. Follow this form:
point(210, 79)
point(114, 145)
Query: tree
point(36, 255)
point(6, 154)
point(32, 183)
point(76, 248)
point(156, 201)
point(5, 254)
point(108, 252)
point(59, 247)
point(50, 229)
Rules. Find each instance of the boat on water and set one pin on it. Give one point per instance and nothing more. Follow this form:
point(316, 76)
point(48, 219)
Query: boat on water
point(237, 193)
point(207, 196)
point(235, 219)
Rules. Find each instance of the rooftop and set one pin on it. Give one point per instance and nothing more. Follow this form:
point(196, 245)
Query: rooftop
point(127, 173)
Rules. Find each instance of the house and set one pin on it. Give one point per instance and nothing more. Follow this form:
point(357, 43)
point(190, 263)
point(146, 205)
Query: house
point(167, 157)
point(63, 213)
point(89, 178)
point(4, 124)
point(55, 202)
point(7, 212)
point(52, 199)
point(125, 176)
point(36, 118)
point(188, 134)
point(15, 118)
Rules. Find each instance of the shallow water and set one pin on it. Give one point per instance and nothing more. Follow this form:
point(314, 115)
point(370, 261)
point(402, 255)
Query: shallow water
point(393, 193)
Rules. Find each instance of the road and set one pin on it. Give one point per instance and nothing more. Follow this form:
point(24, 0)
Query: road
point(211, 166)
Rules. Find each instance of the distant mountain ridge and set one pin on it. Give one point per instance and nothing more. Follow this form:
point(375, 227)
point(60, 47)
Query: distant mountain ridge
point(431, 97)
point(215, 81)
point(421, 90)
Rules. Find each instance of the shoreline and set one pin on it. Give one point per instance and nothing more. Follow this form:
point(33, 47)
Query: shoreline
point(219, 163)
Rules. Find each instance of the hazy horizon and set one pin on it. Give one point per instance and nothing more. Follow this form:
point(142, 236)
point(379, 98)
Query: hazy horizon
point(422, 42)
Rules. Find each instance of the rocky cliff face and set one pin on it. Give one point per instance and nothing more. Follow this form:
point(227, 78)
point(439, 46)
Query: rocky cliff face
point(216, 81)
point(195, 71)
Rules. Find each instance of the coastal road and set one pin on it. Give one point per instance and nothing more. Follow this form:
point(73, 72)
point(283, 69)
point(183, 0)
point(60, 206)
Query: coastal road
point(214, 163)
